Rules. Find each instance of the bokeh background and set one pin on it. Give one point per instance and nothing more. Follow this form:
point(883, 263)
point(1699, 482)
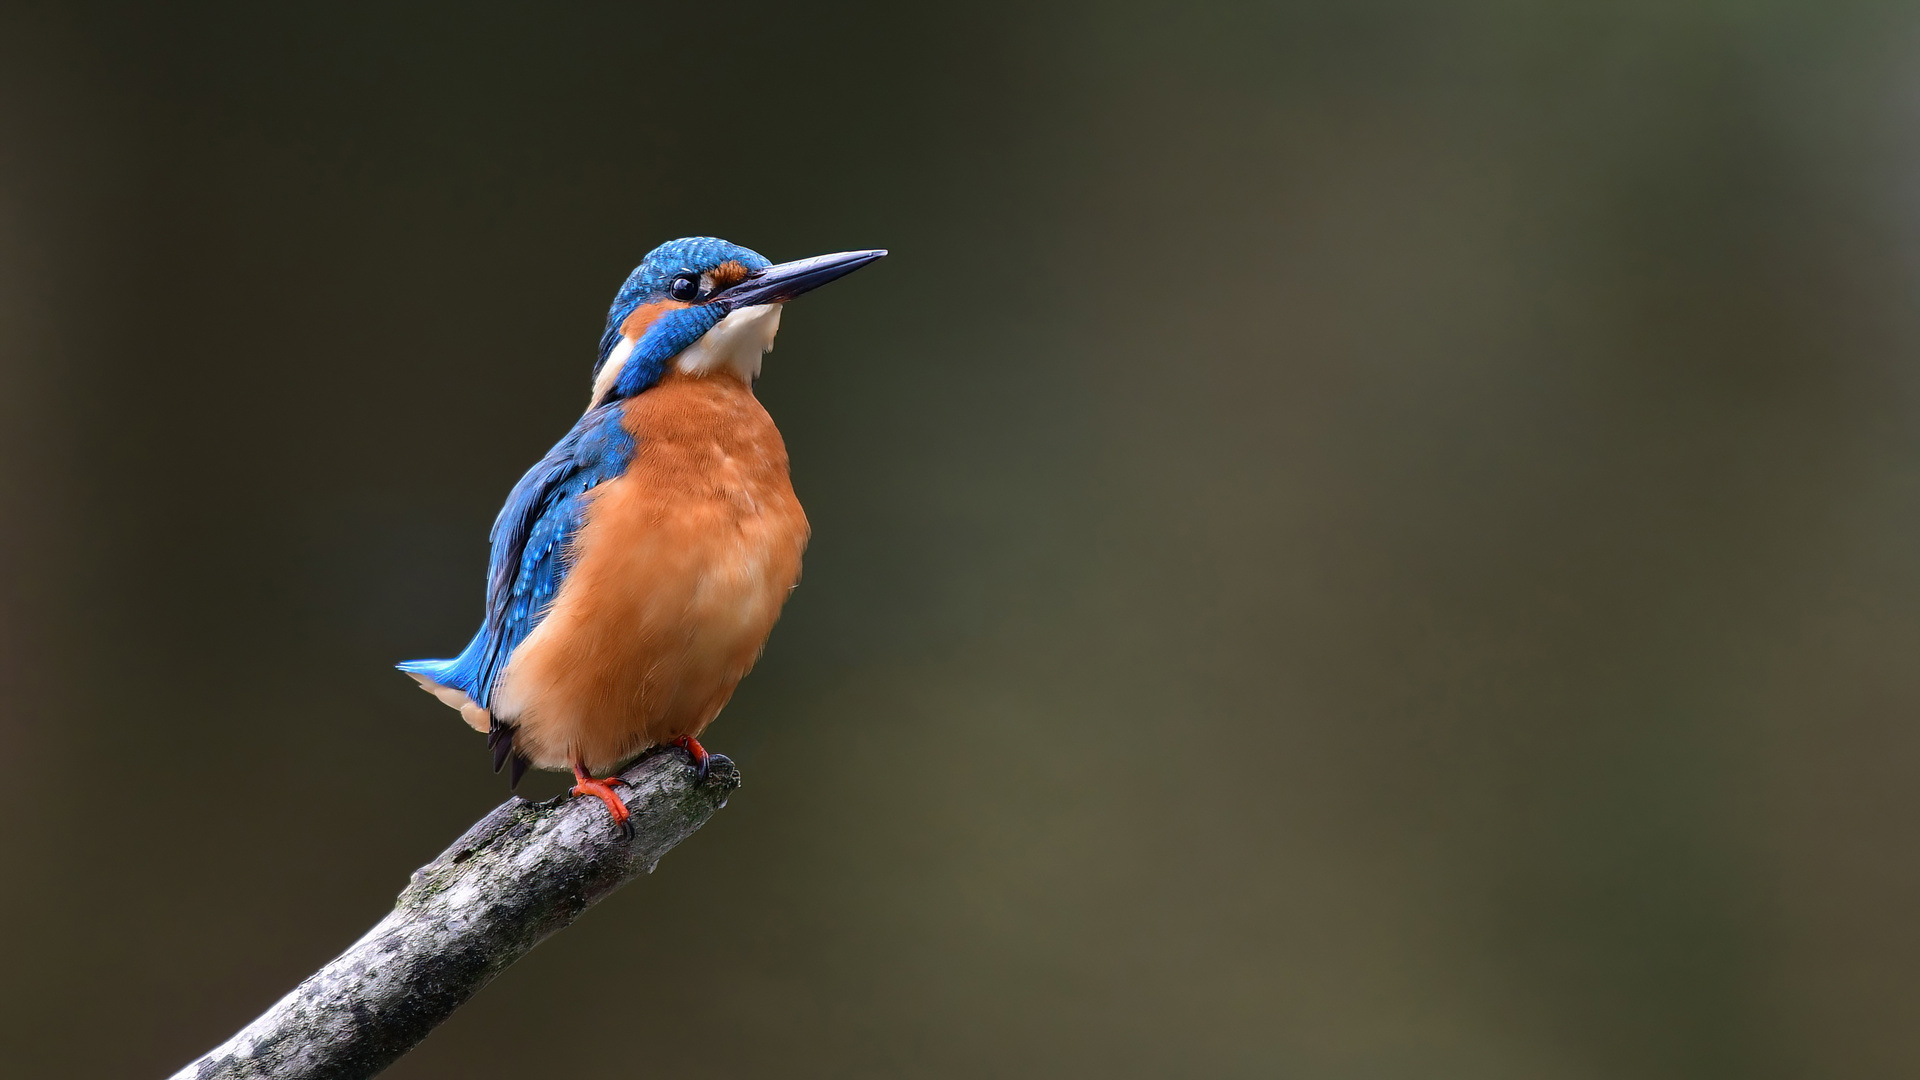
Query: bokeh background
point(1351, 539)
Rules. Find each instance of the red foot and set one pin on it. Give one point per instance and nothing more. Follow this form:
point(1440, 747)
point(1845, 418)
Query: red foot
point(692, 746)
point(603, 790)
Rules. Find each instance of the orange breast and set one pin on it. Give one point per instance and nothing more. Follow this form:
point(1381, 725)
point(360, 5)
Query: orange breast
point(679, 572)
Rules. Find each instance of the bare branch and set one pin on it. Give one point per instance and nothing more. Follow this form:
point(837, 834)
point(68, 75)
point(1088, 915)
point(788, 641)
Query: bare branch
point(524, 871)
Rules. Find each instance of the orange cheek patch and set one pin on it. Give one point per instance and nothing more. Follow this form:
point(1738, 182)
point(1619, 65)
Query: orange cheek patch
point(646, 315)
point(728, 273)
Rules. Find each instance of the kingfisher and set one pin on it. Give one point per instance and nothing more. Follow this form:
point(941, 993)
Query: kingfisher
point(638, 568)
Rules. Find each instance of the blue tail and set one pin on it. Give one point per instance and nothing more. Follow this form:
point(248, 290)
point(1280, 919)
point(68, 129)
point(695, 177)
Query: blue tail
point(444, 672)
point(460, 673)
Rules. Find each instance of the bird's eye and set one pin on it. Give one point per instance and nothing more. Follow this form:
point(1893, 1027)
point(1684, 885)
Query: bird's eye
point(684, 288)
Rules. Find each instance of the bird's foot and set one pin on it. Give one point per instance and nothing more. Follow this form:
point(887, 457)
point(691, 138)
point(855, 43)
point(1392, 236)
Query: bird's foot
point(603, 790)
point(692, 746)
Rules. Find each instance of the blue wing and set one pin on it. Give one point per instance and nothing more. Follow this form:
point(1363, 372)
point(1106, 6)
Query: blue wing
point(530, 558)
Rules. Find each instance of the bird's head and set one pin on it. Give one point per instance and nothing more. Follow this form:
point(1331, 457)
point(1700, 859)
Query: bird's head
point(703, 306)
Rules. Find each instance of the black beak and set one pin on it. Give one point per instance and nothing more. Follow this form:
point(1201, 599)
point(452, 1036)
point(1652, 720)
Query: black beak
point(779, 284)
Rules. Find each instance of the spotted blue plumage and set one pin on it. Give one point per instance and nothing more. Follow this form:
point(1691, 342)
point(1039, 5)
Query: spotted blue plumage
point(532, 535)
point(530, 538)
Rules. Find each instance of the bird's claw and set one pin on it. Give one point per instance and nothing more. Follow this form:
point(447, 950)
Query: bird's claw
point(603, 790)
point(699, 753)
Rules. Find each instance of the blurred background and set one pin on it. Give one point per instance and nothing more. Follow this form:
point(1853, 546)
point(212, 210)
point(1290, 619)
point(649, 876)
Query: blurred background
point(1351, 539)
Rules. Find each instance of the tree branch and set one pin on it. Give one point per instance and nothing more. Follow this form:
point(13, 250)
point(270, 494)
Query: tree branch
point(521, 873)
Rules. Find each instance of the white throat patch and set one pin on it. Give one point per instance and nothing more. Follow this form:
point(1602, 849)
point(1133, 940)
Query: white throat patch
point(610, 371)
point(736, 344)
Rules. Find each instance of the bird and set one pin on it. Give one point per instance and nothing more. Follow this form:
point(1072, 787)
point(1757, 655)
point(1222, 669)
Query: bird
point(637, 569)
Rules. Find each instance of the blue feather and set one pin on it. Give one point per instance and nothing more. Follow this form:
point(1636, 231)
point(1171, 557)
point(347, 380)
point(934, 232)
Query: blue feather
point(667, 338)
point(649, 279)
point(531, 554)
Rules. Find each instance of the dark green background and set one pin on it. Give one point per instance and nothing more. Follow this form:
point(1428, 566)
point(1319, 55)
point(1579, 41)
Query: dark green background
point(1351, 539)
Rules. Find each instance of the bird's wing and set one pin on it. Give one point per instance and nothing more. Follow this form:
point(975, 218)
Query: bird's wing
point(530, 537)
point(529, 562)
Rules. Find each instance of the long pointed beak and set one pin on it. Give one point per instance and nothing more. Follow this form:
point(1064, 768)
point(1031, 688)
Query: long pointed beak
point(781, 283)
